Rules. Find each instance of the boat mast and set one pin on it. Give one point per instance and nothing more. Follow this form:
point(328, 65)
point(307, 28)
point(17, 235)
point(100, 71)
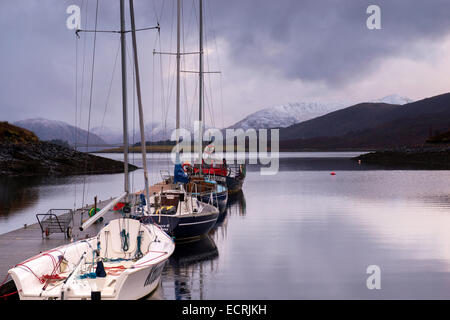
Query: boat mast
point(124, 97)
point(178, 66)
point(139, 98)
point(200, 86)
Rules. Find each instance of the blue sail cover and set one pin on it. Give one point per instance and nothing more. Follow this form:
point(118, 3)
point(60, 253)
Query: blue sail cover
point(179, 175)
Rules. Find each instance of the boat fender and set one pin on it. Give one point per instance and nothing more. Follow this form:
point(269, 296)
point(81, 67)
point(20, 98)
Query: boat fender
point(118, 206)
point(187, 167)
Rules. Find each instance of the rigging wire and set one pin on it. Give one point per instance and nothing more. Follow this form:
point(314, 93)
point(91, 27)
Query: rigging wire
point(110, 88)
point(90, 96)
point(165, 101)
point(84, 61)
point(131, 62)
point(213, 31)
point(76, 114)
point(189, 109)
point(210, 102)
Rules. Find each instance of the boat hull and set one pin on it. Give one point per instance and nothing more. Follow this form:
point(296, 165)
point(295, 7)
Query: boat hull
point(233, 184)
point(120, 277)
point(219, 200)
point(142, 283)
point(184, 227)
point(137, 285)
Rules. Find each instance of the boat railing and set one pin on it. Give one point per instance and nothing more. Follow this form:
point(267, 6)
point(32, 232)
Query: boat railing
point(232, 170)
point(165, 176)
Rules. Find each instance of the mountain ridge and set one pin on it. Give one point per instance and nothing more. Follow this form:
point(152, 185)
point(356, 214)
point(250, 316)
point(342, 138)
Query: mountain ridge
point(282, 116)
point(372, 125)
point(48, 130)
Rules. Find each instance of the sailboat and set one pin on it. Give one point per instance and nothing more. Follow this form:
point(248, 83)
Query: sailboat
point(206, 190)
point(182, 211)
point(124, 261)
point(231, 177)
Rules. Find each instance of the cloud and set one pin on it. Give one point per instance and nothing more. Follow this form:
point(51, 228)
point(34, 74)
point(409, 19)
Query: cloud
point(269, 52)
point(326, 40)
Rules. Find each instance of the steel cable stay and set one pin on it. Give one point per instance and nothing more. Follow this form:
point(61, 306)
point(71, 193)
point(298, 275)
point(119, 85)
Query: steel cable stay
point(165, 94)
point(78, 112)
point(110, 88)
point(79, 102)
point(213, 32)
point(132, 64)
point(90, 98)
point(185, 53)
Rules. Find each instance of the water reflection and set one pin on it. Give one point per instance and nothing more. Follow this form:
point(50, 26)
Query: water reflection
point(17, 194)
point(192, 262)
point(236, 204)
point(187, 265)
point(301, 233)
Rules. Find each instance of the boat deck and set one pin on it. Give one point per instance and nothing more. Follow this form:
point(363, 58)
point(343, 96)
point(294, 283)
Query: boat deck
point(158, 187)
point(28, 241)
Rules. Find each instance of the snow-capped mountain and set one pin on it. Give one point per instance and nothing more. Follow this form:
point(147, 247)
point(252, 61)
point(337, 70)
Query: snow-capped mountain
point(286, 115)
point(108, 134)
point(283, 116)
point(51, 130)
point(393, 99)
point(154, 131)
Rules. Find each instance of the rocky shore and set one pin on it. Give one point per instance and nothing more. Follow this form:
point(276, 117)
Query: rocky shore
point(44, 158)
point(429, 158)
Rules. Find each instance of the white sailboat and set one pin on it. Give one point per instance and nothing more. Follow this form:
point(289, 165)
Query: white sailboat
point(124, 260)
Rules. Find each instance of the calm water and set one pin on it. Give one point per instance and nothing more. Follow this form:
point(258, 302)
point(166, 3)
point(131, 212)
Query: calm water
point(300, 234)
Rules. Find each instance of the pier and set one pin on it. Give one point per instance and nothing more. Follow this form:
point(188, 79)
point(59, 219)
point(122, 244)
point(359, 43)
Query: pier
point(28, 241)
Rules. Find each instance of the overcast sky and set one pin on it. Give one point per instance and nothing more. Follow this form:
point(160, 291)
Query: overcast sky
point(269, 53)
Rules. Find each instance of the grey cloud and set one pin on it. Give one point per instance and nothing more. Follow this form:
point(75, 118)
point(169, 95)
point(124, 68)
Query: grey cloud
point(300, 39)
point(327, 40)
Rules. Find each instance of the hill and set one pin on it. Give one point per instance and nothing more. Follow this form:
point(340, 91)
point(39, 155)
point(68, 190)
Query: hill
point(13, 134)
point(413, 158)
point(371, 125)
point(47, 130)
point(22, 153)
point(283, 116)
point(440, 138)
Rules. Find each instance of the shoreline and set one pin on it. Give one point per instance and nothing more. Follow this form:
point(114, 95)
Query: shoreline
point(430, 158)
point(47, 159)
point(168, 149)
